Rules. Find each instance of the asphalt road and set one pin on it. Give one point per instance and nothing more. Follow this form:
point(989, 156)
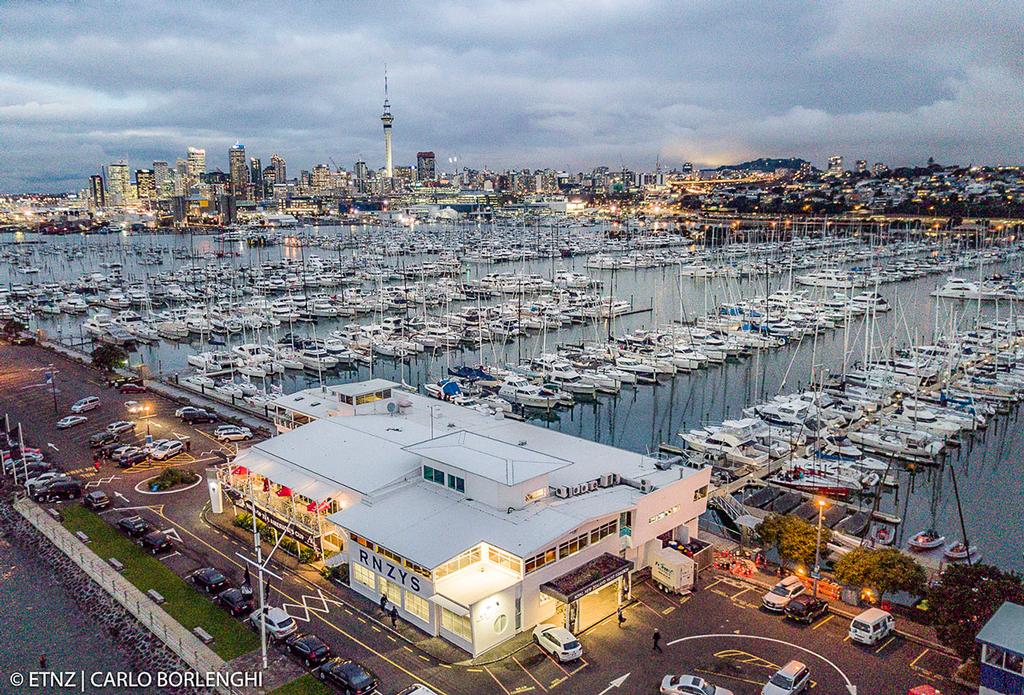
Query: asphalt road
point(719, 632)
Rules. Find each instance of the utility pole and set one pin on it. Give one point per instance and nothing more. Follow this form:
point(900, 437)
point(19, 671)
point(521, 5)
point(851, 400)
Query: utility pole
point(817, 549)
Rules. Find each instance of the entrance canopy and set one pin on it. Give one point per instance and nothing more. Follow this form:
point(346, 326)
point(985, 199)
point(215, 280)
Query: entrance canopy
point(588, 577)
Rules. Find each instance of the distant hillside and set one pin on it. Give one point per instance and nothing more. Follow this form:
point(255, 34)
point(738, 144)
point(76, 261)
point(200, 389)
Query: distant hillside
point(765, 164)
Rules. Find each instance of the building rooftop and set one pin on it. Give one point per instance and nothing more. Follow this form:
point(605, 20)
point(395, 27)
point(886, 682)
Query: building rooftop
point(1005, 629)
point(489, 458)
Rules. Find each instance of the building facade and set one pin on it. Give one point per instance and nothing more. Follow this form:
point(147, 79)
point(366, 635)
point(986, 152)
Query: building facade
point(426, 166)
point(238, 169)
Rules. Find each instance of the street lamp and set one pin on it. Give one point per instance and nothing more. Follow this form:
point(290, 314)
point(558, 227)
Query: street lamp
point(817, 549)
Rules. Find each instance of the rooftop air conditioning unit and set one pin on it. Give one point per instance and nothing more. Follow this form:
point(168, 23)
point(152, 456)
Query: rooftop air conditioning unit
point(592, 485)
point(645, 486)
point(562, 492)
point(578, 490)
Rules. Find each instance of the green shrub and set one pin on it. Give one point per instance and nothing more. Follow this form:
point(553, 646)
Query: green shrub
point(269, 535)
point(172, 477)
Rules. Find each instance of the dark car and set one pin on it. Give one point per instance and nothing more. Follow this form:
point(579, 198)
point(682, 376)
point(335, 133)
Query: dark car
point(309, 648)
point(209, 579)
point(31, 470)
point(156, 541)
point(23, 340)
point(105, 451)
point(192, 417)
point(235, 602)
point(134, 526)
point(100, 438)
point(350, 677)
point(132, 458)
point(59, 489)
point(96, 500)
point(132, 387)
point(118, 382)
point(806, 608)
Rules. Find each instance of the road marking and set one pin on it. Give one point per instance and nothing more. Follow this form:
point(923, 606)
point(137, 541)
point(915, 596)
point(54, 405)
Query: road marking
point(728, 675)
point(717, 581)
point(918, 658)
point(886, 644)
point(739, 593)
point(172, 533)
point(497, 681)
point(645, 606)
point(822, 622)
point(52, 446)
point(846, 639)
point(554, 661)
point(528, 673)
point(668, 610)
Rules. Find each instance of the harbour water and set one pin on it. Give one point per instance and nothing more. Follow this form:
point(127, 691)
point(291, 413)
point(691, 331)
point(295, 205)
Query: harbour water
point(989, 466)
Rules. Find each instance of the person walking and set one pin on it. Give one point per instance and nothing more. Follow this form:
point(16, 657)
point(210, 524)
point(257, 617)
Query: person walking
point(394, 616)
point(657, 641)
point(621, 617)
point(383, 603)
point(96, 464)
point(42, 662)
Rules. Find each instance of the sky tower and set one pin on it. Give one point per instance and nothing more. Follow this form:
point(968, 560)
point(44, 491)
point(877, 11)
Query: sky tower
point(387, 119)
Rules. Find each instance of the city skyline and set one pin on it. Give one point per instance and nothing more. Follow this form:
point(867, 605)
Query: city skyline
point(523, 85)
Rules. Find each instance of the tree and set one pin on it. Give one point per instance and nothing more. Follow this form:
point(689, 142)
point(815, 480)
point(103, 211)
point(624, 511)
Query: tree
point(885, 570)
point(107, 357)
point(793, 537)
point(964, 599)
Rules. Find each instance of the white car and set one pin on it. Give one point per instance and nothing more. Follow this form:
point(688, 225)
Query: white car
point(70, 421)
point(133, 407)
point(121, 426)
point(416, 689)
point(84, 404)
point(279, 623)
point(790, 679)
point(166, 450)
point(558, 642)
point(41, 480)
point(782, 593)
point(690, 685)
point(232, 433)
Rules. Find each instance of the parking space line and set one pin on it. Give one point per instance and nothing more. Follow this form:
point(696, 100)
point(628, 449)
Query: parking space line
point(583, 665)
point(647, 607)
point(528, 673)
point(668, 610)
point(739, 593)
point(919, 657)
point(496, 680)
point(728, 675)
point(717, 581)
point(554, 661)
point(822, 622)
point(886, 644)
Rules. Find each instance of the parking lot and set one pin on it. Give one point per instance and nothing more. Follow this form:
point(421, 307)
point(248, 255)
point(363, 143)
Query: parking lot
point(720, 632)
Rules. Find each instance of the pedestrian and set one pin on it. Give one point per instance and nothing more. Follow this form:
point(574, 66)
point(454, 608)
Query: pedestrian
point(188, 444)
point(42, 662)
point(96, 465)
point(394, 616)
point(657, 641)
point(383, 603)
point(622, 618)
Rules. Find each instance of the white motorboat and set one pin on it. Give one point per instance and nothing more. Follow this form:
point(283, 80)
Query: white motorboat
point(517, 389)
point(926, 540)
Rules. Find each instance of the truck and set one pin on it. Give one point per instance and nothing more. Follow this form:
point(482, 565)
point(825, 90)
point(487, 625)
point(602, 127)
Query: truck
point(673, 571)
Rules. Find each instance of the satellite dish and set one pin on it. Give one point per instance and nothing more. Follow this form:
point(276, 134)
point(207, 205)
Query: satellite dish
point(392, 407)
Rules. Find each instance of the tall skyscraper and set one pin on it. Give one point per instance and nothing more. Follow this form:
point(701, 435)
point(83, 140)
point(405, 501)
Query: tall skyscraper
point(181, 182)
point(162, 179)
point(196, 163)
point(835, 165)
point(145, 184)
point(97, 195)
point(118, 182)
point(425, 166)
point(238, 169)
point(360, 173)
point(387, 119)
point(320, 179)
point(280, 173)
point(256, 177)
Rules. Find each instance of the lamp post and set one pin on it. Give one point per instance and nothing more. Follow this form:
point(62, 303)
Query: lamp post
point(817, 549)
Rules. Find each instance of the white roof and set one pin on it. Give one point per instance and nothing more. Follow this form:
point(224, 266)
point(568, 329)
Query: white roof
point(489, 458)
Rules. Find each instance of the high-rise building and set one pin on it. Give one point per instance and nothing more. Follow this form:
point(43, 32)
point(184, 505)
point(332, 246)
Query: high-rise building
point(145, 184)
point(387, 119)
point(861, 166)
point(118, 182)
point(97, 196)
point(196, 164)
point(280, 172)
point(835, 165)
point(321, 178)
point(256, 177)
point(181, 182)
point(162, 179)
point(238, 170)
point(269, 178)
point(425, 166)
point(878, 168)
point(360, 173)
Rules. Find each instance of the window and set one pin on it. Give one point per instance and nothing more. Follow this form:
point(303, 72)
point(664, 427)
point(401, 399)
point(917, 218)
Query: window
point(464, 560)
point(433, 475)
point(993, 656)
point(700, 493)
point(540, 493)
point(456, 483)
point(364, 576)
point(332, 540)
point(417, 606)
point(500, 557)
point(456, 624)
point(392, 591)
point(500, 623)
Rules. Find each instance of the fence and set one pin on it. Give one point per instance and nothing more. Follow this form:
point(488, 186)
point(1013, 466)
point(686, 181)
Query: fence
point(181, 641)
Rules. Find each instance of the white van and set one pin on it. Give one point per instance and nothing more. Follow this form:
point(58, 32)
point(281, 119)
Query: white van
point(872, 625)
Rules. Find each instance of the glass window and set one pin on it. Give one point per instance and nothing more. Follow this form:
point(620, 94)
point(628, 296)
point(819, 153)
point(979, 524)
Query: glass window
point(417, 606)
point(392, 591)
point(428, 473)
point(1014, 663)
point(456, 624)
point(700, 493)
point(993, 655)
point(364, 576)
point(456, 483)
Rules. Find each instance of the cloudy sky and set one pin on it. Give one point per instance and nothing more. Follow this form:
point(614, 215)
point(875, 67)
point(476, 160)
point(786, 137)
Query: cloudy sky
point(564, 84)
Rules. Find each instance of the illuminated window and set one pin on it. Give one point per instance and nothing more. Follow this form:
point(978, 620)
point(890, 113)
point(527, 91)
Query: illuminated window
point(700, 493)
point(364, 576)
point(537, 494)
point(500, 557)
point(391, 590)
point(456, 624)
point(417, 606)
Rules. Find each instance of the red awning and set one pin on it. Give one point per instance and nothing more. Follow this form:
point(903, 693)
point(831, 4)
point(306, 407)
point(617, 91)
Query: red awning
point(284, 492)
point(240, 470)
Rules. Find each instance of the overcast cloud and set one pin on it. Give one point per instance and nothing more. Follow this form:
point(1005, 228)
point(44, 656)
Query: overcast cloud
point(560, 84)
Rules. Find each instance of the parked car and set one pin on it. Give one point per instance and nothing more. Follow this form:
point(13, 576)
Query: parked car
point(101, 438)
point(84, 404)
point(309, 648)
point(872, 626)
point(23, 339)
point(134, 407)
point(279, 623)
point(805, 608)
point(234, 601)
point(120, 426)
point(96, 500)
point(156, 541)
point(558, 642)
point(59, 489)
point(209, 579)
point(134, 526)
point(782, 593)
point(117, 453)
point(351, 678)
point(185, 410)
point(29, 469)
point(70, 421)
point(198, 416)
point(107, 451)
point(232, 433)
point(39, 480)
point(132, 387)
point(133, 458)
point(169, 449)
point(790, 679)
point(690, 685)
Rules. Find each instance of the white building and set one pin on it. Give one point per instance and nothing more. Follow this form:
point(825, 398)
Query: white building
point(475, 527)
